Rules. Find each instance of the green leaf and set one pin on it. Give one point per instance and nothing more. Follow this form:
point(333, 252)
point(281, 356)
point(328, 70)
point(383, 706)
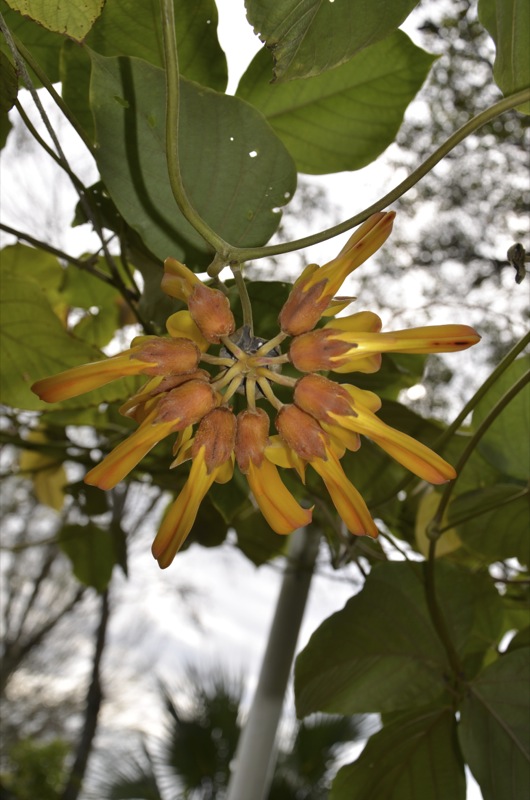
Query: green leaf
point(255, 537)
point(521, 639)
point(417, 755)
point(495, 521)
point(92, 552)
point(506, 443)
point(230, 498)
point(44, 45)
point(8, 95)
point(130, 28)
point(33, 342)
point(494, 731)
point(100, 301)
point(209, 528)
point(236, 172)
point(343, 119)
point(508, 22)
point(381, 653)
point(74, 18)
point(75, 66)
point(307, 37)
point(26, 262)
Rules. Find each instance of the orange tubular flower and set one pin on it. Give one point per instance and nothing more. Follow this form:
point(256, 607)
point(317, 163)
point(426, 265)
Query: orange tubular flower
point(343, 406)
point(173, 412)
point(208, 307)
point(315, 288)
point(324, 420)
point(211, 451)
point(354, 344)
point(302, 433)
point(275, 501)
point(148, 355)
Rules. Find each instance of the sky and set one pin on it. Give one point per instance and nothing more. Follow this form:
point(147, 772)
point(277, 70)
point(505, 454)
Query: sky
point(233, 601)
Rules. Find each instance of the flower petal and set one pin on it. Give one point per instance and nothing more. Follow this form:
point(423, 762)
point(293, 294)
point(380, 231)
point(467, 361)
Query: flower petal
point(181, 515)
point(85, 378)
point(120, 461)
point(275, 501)
point(347, 500)
point(178, 281)
point(414, 455)
point(181, 325)
point(280, 454)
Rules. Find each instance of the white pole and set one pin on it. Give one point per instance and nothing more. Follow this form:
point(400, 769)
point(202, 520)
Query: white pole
point(256, 751)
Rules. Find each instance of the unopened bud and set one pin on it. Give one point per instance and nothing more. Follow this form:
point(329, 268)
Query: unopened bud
point(319, 397)
point(302, 433)
point(211, 313)
point(217, 434)
point(304, 307)
point(167, 356)
point(317, 350)
point(186, 404)
point(251, 438)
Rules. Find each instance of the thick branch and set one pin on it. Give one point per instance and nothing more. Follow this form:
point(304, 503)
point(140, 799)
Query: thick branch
point(256, 752)
point(93, 705)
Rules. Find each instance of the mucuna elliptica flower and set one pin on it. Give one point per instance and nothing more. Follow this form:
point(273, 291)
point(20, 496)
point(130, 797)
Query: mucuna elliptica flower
point(190, 393)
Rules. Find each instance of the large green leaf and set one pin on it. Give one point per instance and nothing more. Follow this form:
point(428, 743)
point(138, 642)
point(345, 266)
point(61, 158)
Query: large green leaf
point(307, 37)
point(44, 45)
point(101, 304)
point(416, 755)
point(494, 731)
point(381, 652)
point(343, 119)
point(236, 171)
point(508, 22)
point(255, 537)
point(130, 28)
point(33, 342)
point(506, 443)
point(92, 551)
point(71, 17)
point(8, 94)
point(75, 68)
point(493, 522)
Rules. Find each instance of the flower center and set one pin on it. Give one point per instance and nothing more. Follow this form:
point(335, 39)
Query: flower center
point(252, 363)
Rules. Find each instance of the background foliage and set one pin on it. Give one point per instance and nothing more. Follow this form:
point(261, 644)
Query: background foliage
point(435, 638)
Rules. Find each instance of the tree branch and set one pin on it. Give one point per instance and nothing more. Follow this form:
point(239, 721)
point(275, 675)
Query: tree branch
point(93, 704)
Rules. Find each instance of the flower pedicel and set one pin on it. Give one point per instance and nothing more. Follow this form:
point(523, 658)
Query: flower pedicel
point(323, 420)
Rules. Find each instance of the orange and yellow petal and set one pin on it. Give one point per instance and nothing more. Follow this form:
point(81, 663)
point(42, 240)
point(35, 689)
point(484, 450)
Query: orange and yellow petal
point(280, 454)
point(85, 378)
point(366, 240)
point(413, 455)
point(181, 325)
point(124, 458)
point(342, 437)
point(336, 305)
point(362, 321)
point(181, 515)
point(347, 500)
point(275, 501)
point(178, 281)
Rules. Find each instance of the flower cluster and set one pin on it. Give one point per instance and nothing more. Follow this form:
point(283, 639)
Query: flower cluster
point(324, 419)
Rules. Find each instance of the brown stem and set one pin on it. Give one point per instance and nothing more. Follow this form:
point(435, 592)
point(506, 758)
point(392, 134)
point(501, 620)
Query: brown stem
point(93, 705)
